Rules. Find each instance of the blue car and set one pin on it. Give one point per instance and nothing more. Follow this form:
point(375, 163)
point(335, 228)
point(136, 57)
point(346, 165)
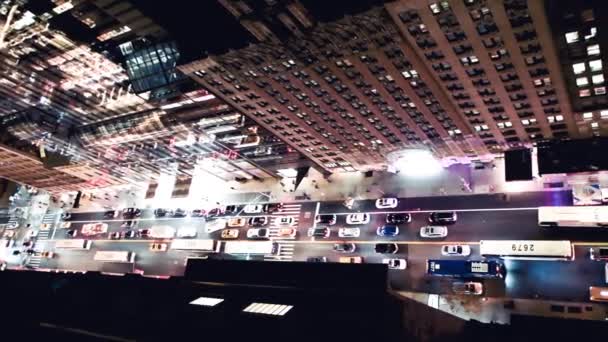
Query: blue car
point(388, 230)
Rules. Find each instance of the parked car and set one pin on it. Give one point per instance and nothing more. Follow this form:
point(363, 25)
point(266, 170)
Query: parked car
point(186, 232)
point(456, 250)
point(320, 232)
point(358, 218)
point(344, 247)
point(66, 216)
point(179, 212)
point(395, 264)
point(317, 259)
point(47, 254)
point(94, 228)
point(443, 217)
point(253, 208)
point(258, 221)
point(130, 213)
point(599, 254)
point(398, 218)
point(284, 221)
point(272, 207)
point(286, 232)
point(128, 224)
point(61, 225)
point(433, 232)
point(230, 234)
point(387, 203)
point(351, 260)
point(326, 219)
point(258, 233)
point(214, 212)
point(110, 214)
point(198, 213)
point(237, 222)
point(158, 247)
point(129, 234)
point(468, 288)
point(387, 230)
point(72, 233)
point(231, 209)
point(115, 235)
point(349, 232)
point(386, 248)
point(160, 212)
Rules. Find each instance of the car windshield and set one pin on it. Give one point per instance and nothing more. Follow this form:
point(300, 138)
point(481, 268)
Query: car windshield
point(458, 249)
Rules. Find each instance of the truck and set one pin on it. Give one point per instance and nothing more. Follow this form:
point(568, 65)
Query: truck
point(466, 268)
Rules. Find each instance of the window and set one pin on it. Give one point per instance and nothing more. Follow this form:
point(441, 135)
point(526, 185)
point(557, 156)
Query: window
point(588, 115)
point(604, 114)
point(556, 118)
point(582, 81)
point(584, 93)
point(593, 49)
point(597, 79)
point(595, 125)
point(527, 122)
point(595, 65)
point(578, 68)
point(571, 37)
point(592, 32)
point(599, 90)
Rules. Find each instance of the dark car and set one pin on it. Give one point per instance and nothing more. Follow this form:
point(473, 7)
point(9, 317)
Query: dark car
point(72, 232)
point(110, 214)
point(258, 221)
point(179, 213)
point(599, 254)
point(321, 232)
point(131, 213)
point(28, 243)
point(398, 218)
point(326, 219)
point(128, 224)
point(115, 235)
point(214, 212)
point(387, 230)
point(160, 212)
point(443, 217)
point(272, 207)
point(143, 232)
point(231, 209)
point(386, 248)
point(316, 259)
point(345, 247)
point(66, 216)
point(129, 234)
point(198, 213)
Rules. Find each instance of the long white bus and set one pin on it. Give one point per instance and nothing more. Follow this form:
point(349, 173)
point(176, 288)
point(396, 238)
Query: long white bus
point(251, 247)
point(575, 216)
point(73, 244)
point(193, 244)
point(115, 256)
point(527, 249)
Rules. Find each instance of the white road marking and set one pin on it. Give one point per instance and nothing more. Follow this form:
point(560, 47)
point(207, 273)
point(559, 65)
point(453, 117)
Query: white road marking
point(434, 211)
point(314, 222)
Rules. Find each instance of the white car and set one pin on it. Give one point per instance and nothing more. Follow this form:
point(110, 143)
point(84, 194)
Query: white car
point(468, 288)
point(284, 221)
point(186, 232)
point(94, 228)
point(215, 225)
point(395, 264)
point(253, 208)
point(12, 225)
point(349, 232)
point(387, 203)
point(456, 250)
point(258, 233)
point(162, 232)
point(433, 232)
point(63, 225)
point(358, 218)
point(31, 234)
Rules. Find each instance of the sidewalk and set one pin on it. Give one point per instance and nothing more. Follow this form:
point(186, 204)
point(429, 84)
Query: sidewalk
point(499, 310)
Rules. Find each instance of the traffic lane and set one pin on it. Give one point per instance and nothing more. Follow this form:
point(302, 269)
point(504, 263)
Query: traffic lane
point(481, 201)
point(169, 263)
point(83, 260)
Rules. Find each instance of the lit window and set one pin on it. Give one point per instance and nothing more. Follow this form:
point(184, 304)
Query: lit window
point(207, 301)
point(508, 124)
point(477, 128)
point(597, 79)
point(551, 119)
point(578, 68)
point(474, 59)
point(595, 125)
point(268, 309)
point(593, 49)
point(538, 82)
point(435, 8)
point(584, 93)
point(525, 122)
point(595, 65)
point(588, 115)
point(406, 74)
point(604, 114)
point(571, 37)
point(559, 118)
point(533, 121)
point(501, 125)
point(484, 127)
point(457, 131)
point(582, 81)
point(599, 90)
point(591, 34)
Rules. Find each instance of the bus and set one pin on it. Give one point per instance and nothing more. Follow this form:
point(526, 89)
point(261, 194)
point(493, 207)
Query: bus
point(73, 244)
point(193, 244)
point(466, 268)
point(598, 294)
point(527, 249)
point(114, 256)
point(581, 216)
point(251, 247)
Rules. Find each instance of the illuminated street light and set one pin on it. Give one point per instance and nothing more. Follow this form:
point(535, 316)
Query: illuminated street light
point(415, 163)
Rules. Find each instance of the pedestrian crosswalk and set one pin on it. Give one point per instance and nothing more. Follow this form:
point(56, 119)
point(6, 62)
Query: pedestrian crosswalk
point(48, 221)
point(285, 252)
point(13, 222)
point(43, 236)
point(286, 217)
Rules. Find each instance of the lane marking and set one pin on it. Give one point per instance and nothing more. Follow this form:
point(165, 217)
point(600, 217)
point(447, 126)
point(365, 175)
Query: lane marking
point(314, 219)
point(435, 211)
